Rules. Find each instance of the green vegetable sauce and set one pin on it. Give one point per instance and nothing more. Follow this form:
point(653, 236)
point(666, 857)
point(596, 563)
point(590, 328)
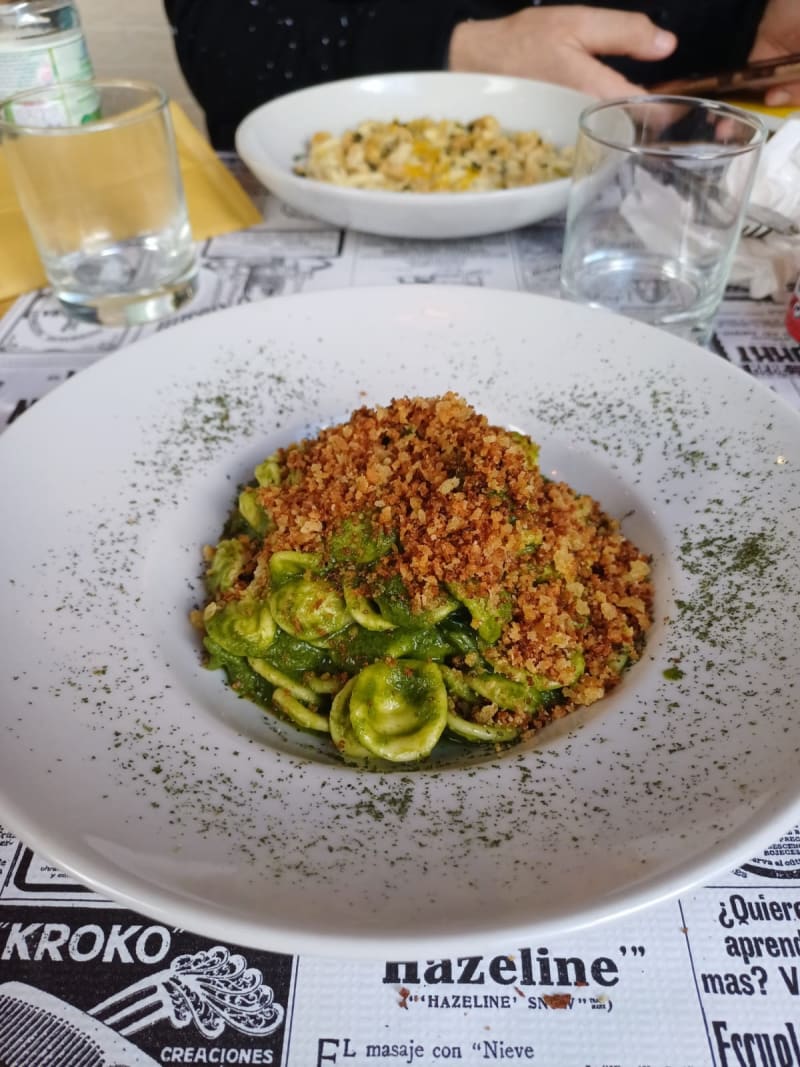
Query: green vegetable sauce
point(332, 641)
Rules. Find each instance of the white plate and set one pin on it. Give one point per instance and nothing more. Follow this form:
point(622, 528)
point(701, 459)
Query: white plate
point(144, 776)
point(275, 135)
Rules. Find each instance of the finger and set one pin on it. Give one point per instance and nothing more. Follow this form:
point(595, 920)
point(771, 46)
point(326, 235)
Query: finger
point(589, 75)
point(621, 33)
point(783, 95)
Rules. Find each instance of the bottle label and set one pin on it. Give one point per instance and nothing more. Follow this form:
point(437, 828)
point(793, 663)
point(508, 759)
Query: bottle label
point(60, 57)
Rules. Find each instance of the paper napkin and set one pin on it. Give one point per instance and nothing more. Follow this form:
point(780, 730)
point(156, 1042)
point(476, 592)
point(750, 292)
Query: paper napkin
point(767, 265)
point(216, 202)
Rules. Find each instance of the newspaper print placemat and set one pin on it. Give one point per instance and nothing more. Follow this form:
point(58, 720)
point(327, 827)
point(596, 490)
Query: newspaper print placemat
point(712, 978)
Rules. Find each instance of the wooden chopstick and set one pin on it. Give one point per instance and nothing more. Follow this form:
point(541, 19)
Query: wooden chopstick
point(757, 75)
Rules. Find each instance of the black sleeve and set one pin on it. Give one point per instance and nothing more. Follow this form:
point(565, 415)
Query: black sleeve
point(236, 54)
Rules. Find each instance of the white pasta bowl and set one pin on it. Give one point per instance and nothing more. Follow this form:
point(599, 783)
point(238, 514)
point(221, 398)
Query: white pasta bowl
point(273, 137)
point(140, 772)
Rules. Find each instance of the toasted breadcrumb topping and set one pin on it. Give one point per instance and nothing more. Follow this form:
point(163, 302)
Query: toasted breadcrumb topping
point(467, 504)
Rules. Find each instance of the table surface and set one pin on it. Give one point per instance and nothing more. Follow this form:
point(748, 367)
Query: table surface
point(709, 978)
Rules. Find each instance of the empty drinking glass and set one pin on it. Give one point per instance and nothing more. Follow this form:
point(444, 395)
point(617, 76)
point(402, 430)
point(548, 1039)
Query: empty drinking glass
point(659, 189)
point(103, 198)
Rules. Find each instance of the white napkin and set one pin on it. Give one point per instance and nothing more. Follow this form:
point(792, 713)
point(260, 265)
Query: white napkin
point(767, 265)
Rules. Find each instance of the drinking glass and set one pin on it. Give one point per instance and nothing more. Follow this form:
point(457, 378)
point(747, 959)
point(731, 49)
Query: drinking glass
point(659, 189)
point(103, 198)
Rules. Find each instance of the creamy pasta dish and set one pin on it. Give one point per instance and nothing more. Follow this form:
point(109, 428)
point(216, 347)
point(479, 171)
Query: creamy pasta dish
point(430, 156)
point(410, 575)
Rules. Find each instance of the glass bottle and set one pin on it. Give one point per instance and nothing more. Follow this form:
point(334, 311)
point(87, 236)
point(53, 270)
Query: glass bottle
point(41, 44)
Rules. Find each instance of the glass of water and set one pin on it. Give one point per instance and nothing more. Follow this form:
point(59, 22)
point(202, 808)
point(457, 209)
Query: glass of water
point(103, 198)
point(659, 189)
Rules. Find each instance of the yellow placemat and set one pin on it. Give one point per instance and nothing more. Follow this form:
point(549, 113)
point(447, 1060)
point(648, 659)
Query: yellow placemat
point(216, 202)
point(775, 112)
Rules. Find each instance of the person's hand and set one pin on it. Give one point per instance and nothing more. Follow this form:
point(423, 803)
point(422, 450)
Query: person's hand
point(778, 35)
point(559, 44)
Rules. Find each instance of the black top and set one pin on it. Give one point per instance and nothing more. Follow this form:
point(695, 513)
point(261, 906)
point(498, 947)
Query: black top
point(236, 54)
